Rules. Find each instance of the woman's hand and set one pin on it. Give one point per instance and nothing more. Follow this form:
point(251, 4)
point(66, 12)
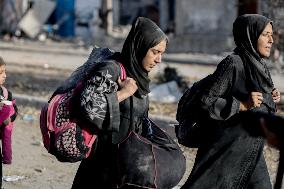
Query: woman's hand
point(255, 99)
point(6, 122)
point(127, 88)
point(276, 95)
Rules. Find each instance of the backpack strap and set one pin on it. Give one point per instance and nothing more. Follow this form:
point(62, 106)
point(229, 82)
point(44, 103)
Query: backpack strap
point(122, 72)
point(5, 92)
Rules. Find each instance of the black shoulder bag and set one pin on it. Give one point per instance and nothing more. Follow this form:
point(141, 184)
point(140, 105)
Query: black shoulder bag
point(150, 160)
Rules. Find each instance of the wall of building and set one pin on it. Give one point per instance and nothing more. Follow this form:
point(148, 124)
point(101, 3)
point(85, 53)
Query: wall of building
point(87, 19)
point(205, 25)
point(87, 9)
point(195, 25)
point(129, 9)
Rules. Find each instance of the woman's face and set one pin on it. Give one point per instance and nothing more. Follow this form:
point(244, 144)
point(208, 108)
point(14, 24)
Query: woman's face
point(265, 41)
point(2, 74)
point(154, 56)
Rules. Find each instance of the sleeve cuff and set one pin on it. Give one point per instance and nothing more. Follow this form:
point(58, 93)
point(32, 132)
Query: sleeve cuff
point(224, 108)
point(235, 106)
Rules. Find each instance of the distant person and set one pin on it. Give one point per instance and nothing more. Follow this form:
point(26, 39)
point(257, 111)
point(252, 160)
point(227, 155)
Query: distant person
point(241, 84)
point(8, 114)
point(108, 102)
point(9, 18)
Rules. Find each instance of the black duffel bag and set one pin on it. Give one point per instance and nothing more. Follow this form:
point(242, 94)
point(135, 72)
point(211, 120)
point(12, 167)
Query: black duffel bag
point(150, 160)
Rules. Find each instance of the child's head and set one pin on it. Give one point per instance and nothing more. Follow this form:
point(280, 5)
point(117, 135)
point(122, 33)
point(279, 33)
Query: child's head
point(2, 71)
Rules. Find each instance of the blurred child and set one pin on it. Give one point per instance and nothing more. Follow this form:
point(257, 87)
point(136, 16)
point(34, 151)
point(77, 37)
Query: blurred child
point(8, 113)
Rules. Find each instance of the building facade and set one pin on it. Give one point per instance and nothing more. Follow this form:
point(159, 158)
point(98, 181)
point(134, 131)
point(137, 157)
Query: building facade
point(193, 25)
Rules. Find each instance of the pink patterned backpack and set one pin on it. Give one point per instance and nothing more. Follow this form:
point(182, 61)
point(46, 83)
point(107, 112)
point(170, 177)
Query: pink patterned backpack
point(66, 138)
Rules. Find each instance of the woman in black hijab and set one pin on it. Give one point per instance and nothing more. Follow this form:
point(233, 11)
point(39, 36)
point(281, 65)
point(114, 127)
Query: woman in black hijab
point(105, 101)
point(232, 155)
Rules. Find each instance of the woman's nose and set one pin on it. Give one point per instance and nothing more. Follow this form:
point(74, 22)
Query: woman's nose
point(271, 39)
point(159, 58)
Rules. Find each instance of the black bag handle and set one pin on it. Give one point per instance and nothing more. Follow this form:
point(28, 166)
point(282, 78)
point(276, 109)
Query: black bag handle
point(131, 126)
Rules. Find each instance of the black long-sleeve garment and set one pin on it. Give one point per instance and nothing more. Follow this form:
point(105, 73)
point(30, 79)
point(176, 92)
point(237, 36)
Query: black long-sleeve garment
point(99, 105)
point(232, 157)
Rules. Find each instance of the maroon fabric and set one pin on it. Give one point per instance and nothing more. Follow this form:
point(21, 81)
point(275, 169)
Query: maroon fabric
point(6, 128)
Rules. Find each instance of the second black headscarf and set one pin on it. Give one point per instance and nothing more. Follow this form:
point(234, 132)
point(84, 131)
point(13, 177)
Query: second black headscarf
point(246, 30)
point(143, 35)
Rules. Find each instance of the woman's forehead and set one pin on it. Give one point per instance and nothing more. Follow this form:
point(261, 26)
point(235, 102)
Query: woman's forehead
point(160, 46)
point(268, 28)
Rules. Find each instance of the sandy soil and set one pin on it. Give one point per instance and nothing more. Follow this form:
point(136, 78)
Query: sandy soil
point(30, 159)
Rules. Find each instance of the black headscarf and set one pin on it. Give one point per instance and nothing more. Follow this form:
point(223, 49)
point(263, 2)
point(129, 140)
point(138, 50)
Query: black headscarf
point(143, 35)
point(246, 30)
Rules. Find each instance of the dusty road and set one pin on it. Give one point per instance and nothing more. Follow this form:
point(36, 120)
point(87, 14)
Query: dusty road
point(35, 71)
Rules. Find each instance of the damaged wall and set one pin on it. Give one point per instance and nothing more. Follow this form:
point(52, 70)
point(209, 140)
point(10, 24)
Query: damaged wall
point(204, 24)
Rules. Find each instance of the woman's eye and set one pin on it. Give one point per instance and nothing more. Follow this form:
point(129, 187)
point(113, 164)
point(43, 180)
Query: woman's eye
point(264, 34)
point(155, 52)
point(267, 35)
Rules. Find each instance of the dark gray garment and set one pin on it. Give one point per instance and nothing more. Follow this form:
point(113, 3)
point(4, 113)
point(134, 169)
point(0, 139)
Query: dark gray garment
point(99, 105)
point(99, 170)
point(233, 157)
point(98, 100)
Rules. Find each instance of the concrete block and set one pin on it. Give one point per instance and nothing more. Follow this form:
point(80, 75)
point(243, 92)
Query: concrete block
point(32, 21)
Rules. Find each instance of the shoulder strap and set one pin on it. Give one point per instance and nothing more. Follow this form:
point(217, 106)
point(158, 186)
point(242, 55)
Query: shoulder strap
point(122, 72)
point(5, 92)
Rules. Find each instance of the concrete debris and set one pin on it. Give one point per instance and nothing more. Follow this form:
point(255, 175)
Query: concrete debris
point(32, 22)
point(168, 92)
point(12, 178)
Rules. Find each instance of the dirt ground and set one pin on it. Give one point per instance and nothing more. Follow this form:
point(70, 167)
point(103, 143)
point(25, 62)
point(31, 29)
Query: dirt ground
point(30, 159)
point(38, 169)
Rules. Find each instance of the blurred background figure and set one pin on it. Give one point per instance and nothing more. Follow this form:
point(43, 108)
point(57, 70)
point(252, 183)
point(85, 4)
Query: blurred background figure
point(10, 14)
point(64, 17)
